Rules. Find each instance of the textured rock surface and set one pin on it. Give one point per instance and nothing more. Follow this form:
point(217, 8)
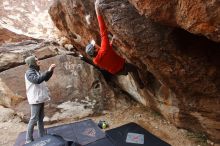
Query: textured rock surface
point(180, 70)
point(27, 17)
point(76, 20)
point(6, 114)
point(8, 97)
point(7, 36)
point(73, 81)
point(198, 16)
point(13, 54)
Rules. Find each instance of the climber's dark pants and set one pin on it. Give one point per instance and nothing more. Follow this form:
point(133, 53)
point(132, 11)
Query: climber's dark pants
point(130, 68)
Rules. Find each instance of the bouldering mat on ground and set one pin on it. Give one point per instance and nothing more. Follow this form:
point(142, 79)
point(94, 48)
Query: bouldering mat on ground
point(83, 132)
point(21, 138)
point(132, 134)
point(101, 142)
point(87, 133)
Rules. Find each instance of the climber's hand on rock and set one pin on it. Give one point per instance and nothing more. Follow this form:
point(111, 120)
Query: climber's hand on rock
point(115, 37)
point(97, 9)
point(97, 2)
point(80, 55)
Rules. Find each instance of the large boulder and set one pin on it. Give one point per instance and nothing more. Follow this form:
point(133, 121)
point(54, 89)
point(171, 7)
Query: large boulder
point(198, 16)
point(30, 18)
point(8, 97)
point(74, 86)
point(6, 114)
point(13, 54)
point(180, 70)
point(76, 20)
point(7, 36)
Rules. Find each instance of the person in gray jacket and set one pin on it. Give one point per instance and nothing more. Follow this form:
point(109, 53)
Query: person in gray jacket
point(37, 93)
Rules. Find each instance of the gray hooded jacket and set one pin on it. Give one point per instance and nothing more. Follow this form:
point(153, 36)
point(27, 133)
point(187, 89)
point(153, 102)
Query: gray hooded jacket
point(36, 89)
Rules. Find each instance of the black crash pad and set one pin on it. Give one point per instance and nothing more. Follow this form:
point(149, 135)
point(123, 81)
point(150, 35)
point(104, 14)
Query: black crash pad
point(119, 136)
point(82, 132)
point(87, 133)
point(49, 140)
point(101, 142)
point(21, 138)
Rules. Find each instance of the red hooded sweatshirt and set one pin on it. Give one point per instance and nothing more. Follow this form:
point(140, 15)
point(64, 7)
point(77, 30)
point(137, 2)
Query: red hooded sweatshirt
point(107, 58)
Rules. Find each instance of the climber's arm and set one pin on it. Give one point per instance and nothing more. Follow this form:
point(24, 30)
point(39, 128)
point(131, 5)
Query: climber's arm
point(103, 29)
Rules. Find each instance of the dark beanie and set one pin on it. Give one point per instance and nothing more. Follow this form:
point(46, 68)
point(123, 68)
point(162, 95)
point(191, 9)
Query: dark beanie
point(31, 61)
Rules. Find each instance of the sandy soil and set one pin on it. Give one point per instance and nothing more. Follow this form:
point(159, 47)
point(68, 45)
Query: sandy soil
point(151, 121)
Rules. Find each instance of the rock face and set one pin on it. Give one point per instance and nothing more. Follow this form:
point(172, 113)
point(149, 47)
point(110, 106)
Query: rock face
point(76, 20)
point(180, 70)
point(27, 17)
point(6, 114)
point(7, 36)
point(13, 54)
point(8, 97)
point(198, 17)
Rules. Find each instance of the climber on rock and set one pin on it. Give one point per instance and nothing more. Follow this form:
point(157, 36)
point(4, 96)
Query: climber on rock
point(106, 58)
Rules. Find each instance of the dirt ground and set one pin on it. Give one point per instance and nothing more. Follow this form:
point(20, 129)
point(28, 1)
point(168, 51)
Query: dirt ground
point(151, 121)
